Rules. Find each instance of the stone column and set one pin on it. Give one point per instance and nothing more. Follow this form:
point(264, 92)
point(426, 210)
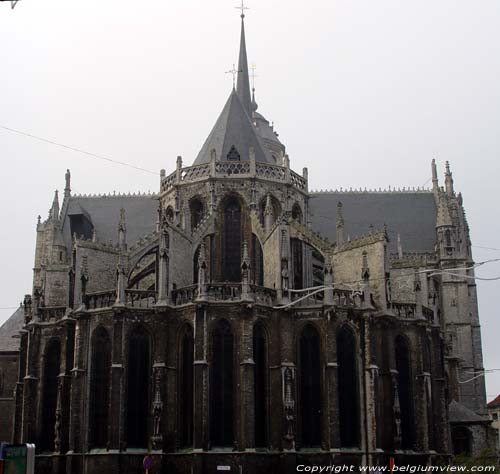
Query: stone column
point(246, 409)
point(18, 416)
point(201, 374)
point(332, 438)
point(31, 385)
point(116, 420)
point(77, 424)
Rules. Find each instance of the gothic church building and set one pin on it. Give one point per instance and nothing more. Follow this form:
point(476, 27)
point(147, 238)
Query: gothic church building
point(234, 318)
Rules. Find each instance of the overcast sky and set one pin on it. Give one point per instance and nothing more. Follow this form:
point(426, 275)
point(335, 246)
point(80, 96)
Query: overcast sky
point(364, 93)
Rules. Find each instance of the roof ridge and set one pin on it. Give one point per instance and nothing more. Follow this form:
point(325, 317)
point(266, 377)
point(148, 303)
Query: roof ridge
point(390, 190)
point(149, 193)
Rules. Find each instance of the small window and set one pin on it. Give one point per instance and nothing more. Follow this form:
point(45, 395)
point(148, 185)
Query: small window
point(495, 416)
point(233, 154)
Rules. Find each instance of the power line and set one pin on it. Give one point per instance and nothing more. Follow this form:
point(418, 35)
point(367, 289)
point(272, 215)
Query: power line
point(77, 150)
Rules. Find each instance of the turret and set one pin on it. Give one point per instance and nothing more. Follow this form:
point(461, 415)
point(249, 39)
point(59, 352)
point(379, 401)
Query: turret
point(449, 181)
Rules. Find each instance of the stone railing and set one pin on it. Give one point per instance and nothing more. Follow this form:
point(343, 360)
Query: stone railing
point(263, 295)
point(184, 295)
point(404, 310)
point(100, 299)
point(140, 298)
point(243, 169)
point(51, 313)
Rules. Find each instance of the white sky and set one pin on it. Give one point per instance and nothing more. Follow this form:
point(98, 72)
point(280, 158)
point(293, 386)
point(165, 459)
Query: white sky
point(363, 92)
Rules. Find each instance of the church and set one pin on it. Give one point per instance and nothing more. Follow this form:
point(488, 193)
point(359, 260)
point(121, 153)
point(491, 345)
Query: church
point(235, 320)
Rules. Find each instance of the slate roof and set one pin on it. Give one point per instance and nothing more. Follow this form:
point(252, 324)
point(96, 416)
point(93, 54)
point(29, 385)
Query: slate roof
point(495, 402)
point(104, 213)
point(412, 214)
point(461, 414)
point(10, 329)
point(233, 128)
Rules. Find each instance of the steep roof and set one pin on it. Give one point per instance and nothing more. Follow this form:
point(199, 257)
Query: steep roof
point(461, 414)
point(104, 213)
point(411, 214)
point(495, 402)
point(9, 330)
point(243, 83)
point(233, 129)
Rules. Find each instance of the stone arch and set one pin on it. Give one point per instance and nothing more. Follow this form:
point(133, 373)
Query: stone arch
point(138, 386)
point(51, 370)
point(185, 382)
point(276, 208)
point(310, 387)
point(405, 391)
point(143, 271)
point(348, 387)
point(100, 384)
point(297, 212)
point(261, 383)
point(222, 385)
point(196, 211)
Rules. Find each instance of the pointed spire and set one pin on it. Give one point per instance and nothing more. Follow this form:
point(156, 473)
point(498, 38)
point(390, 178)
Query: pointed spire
point(435, 182)
point(54, 211)
point(449, 180)
point(243, 82)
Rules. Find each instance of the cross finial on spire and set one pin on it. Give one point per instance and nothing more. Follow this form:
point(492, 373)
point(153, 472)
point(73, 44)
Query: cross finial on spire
point(242, 7)
point(234, 72)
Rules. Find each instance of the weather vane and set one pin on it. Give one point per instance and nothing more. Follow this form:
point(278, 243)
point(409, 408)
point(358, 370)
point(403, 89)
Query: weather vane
point(234, 71)
point(242, 7)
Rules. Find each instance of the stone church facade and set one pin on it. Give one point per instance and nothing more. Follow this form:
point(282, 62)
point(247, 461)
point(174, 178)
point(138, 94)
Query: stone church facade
point(236, 318)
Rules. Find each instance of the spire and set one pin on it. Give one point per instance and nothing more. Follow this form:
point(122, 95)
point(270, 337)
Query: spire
point(435, 182)
point(449, 180)
point(67, 187)
point(243, 82)
point(54, 211)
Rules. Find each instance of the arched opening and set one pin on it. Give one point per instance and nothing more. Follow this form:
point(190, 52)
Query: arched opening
point(100, 378)
point(405, 392)
point(138, 387)
point(257, 262)
point(169, 212)
point(461, 440)
point(260, 385)
point(231, 255)
point(196, 210)
point(143, 275)
point(221, 383)
point(310, 387)
point(297, 212)
point(349, 426)
point(297, 264)
point(51, 368)
point(185, 413)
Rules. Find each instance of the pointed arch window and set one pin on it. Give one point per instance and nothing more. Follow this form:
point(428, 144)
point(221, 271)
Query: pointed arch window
point(348, 388)
point(405, 392)
point(51, 368)
point(197, 209)
point(257, 261)
point(186, 360)
point(233, 154)
point(297, 263)
point(260, 385)
point(232, 241)
point(100, 379)
point(221, 383)
point(138, 388)
point(310, 387)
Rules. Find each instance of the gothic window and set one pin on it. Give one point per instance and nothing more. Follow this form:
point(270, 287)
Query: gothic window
point(260, 385)
point(139, 371)
point(348, 388)
point(405, 391)
point(100, 380)
point(297, 264)
point(169, 213)
point(461, 440)
point(297, 212)
point(186, 359)
point(257, 261)
point(196, 208)
point(51, 368)
point(233, 154)
point(221, 384)
point(310, 388)
point(231, 252)
point(318, 267)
